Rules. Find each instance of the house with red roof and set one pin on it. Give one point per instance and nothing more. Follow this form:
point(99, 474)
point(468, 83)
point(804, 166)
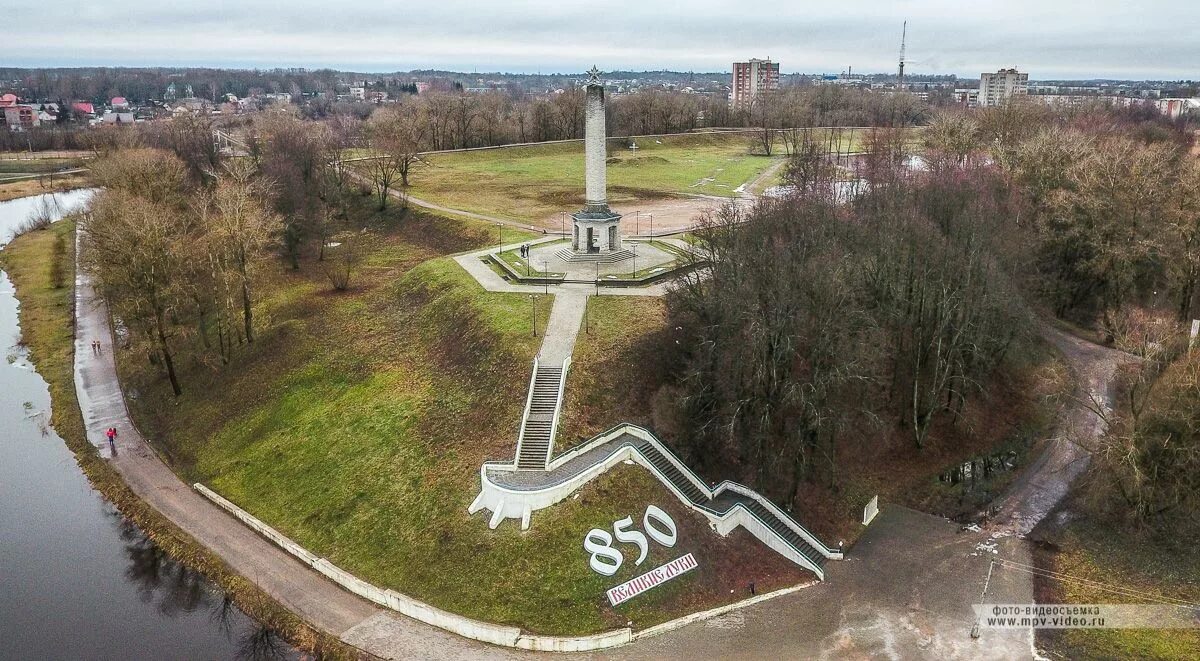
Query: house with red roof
point(20, 117)
point(83, 108)
point(8, 100)
point(119, 103)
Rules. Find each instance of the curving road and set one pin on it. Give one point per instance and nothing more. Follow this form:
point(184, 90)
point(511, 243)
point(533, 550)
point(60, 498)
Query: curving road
point(906, 588)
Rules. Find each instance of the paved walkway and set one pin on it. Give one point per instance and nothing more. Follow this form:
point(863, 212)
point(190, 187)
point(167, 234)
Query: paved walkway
point(301, 590)
point(1045, 482)
point(905, 592)
point(565, 319)
point(491, 281)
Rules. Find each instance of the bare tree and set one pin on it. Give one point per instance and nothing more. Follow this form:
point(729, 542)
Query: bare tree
point(242, 229)
point(136, 251)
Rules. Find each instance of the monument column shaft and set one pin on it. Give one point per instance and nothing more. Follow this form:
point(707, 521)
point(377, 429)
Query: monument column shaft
point(595, 153)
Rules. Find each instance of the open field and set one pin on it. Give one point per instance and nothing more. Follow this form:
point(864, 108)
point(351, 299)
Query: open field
point(38, 165)
point(535, 183)
point(26, 186)
point(23, 174)
point(357, 422)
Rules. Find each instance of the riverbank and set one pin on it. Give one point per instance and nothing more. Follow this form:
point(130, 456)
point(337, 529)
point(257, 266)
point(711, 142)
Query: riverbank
point(47, 323)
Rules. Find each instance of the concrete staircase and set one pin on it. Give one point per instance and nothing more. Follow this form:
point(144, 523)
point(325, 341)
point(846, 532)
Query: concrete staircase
point(726, 501)
point(539, 424)
point(566, 254)
point(511, 491)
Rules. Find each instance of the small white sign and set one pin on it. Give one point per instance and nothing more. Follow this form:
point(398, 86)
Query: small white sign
point(871, 510)
point(651, 579)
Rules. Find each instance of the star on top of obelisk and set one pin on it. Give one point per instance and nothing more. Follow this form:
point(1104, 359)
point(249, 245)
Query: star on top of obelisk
point(593, 76)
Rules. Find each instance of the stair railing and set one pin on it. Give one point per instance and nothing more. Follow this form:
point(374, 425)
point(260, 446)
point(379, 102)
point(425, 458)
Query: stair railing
point(525, 415)
point(558, 404)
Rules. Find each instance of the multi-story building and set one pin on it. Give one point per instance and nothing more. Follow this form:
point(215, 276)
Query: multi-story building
point(967, 96)
point(995, 89)
point(751, 79)
point(19, 117)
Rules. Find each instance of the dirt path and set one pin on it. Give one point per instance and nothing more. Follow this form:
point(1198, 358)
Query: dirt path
point(416, 201)
point(746, 190)
point(1043, 484)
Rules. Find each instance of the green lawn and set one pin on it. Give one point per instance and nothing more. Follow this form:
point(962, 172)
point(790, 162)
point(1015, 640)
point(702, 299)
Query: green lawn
point(614, 370)
point(357, 423)
point(531, 183)
point(522, 266)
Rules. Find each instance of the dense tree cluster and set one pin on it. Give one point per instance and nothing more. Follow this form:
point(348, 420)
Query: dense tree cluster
point(887, 292)
point(819, 318)
point(1147, 467)
point(177, 261)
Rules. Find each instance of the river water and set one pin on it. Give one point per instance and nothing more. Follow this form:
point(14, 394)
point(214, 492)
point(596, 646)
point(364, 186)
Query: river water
point(77, 580)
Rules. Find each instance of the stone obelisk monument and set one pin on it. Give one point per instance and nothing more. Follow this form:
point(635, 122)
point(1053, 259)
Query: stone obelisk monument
point(596, 228)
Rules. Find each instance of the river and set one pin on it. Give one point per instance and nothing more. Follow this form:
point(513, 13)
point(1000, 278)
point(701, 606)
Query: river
point(78, 580)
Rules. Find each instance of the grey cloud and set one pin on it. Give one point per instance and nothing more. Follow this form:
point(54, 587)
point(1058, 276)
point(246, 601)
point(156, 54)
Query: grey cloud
point(1049, 38)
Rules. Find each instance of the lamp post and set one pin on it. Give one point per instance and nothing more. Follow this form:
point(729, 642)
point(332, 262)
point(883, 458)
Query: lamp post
point(546, 275)
point(533, 312)
point(500, 244)
point(651, 227)
point(637, 222)
point(563, 216)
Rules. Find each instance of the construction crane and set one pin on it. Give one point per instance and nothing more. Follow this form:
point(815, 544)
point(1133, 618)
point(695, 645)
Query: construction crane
point(903, 36)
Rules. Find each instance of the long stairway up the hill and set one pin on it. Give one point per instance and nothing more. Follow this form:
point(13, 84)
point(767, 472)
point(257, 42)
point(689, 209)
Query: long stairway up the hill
point(728, 501)
point(537, 428)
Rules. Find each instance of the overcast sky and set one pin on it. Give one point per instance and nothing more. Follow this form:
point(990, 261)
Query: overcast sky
point(1048, 38)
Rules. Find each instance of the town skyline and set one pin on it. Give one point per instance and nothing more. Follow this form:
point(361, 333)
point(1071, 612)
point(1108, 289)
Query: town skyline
point(542, 37)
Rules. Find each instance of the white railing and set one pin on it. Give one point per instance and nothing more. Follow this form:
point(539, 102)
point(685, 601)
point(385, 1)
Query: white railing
point(785, 518)
point(558, 404)
point(525, 415)
point(516, 503)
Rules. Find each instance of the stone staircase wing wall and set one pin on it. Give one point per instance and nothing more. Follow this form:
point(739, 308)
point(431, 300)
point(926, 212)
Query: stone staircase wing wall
point(562, 386)
point(528, 404)
point(785, 518)
point(505, 502)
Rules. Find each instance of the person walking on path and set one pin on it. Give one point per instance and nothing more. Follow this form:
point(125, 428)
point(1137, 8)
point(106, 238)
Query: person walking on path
point(112, 438)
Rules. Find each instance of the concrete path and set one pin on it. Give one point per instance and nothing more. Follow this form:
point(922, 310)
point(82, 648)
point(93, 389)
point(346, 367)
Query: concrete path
point(323, 604)
point(565, 319)
point(905, 592)
point(491, 281)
